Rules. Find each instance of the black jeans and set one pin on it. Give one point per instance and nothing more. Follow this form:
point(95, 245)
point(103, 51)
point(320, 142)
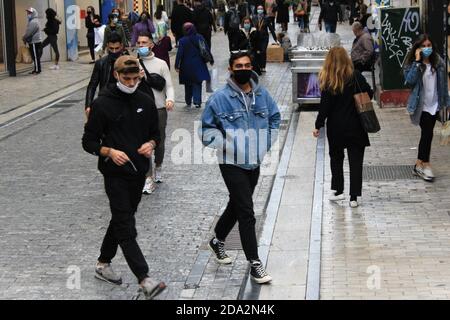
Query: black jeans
point(124, 197)
point(53, 41)
point(36, 54)
point(355, 159)
point(91, 44)
point(241, 185)
point(427, 122)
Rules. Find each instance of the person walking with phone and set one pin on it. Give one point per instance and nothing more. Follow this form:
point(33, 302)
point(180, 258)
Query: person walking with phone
point(92, 21)
point(122, 130)
point(338, 83)
point(424, 72)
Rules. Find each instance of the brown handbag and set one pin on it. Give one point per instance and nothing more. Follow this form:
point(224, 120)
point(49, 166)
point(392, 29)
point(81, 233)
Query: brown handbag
point(365, 110)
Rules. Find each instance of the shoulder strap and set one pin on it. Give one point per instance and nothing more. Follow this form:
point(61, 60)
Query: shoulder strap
point(145, 69)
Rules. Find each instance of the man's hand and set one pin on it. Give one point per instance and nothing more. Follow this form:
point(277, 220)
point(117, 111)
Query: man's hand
point(316, 133)
point(120, 158)
point(87, 110)
point(169, 105)
point(146, 149)
point(142, 74)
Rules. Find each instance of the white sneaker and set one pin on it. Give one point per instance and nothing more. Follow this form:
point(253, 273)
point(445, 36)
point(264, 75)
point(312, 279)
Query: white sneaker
point(158, 175)
point(335, 197)
point(353, 204)
point(428, 172)
point(54, 67)
point(149, 186)
point(422, 172)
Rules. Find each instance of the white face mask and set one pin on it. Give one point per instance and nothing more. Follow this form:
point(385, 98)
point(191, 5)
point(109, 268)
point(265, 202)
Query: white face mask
point(126, 89)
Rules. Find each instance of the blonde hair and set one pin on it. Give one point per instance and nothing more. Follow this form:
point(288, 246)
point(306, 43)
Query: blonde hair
point(336, 71)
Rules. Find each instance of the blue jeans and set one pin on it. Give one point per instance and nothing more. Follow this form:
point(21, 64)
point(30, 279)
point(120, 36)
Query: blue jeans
point(193, 90)
point(301, 23)
point(330, 27)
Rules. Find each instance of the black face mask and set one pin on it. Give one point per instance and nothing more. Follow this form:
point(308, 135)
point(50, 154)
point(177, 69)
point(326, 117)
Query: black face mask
point(114, 55)
point(242, 76)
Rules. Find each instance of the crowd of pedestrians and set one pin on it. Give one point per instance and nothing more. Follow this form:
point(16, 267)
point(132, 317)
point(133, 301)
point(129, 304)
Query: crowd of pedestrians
point(126, 124)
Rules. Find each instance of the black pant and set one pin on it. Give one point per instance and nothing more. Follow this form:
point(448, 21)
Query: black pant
point(233, 40)
point(91, 44)
point(355, 159)
point(53, 41)
point(124, 197)
point(263, 55)
point(427, 122)
point(36, 54)
point(241, 185)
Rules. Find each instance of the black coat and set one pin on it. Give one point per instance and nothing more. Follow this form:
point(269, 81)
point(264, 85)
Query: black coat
point(101, 76)
point(282, 12)
point(330, 14)
point(343, 125)
point(203, 21)
point(90, 25)
point(180, 15)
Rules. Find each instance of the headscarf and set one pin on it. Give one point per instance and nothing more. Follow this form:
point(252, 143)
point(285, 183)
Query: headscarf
point(189, 29)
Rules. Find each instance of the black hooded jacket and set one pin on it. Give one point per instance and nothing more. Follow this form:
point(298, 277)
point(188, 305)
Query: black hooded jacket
point(52, 25)
point(123, 122)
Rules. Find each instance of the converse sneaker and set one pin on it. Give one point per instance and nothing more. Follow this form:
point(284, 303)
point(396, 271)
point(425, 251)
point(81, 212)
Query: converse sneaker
point(149, 186)
point(151, 288)
point(218, 248)
point(198, 106)
point(337, 197)
point(258, 272)
point(158, 175)
point(104, 271)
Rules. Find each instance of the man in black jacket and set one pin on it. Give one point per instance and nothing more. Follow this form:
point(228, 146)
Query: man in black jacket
point(330, 12)
point(122, 130)
point(203, 21)
point(232, 26)
point(103, 70)
point(180, 15)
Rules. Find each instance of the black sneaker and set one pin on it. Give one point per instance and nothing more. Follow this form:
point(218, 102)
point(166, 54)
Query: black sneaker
point(198, 106)
point(218, 248)
point(258, 272)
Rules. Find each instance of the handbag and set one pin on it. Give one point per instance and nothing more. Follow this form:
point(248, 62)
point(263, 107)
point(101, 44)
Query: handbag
point(365, 110)
point(204, 53)
point(152, 80)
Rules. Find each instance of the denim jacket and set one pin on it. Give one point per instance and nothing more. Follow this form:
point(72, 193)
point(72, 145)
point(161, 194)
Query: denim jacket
point(413, 78)
point(243, 126)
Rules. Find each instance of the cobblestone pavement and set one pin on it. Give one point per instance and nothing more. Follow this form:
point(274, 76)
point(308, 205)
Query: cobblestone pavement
point(54, 211)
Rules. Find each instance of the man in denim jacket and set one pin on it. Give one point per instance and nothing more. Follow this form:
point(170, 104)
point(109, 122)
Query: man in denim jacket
point(241, 120)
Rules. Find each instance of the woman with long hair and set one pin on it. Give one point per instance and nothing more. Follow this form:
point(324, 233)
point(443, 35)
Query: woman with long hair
point(144, 25)
point(338, 84)
point(92, 21)
point(424, 71)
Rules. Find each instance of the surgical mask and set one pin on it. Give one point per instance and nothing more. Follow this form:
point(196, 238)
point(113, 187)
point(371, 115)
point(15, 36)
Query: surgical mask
point(144, 51)
point(427, 52)
point(260, 11)
point(331, 3)
point(126, 89)
point(29, 17)
point(247, 26)
point(242, 76)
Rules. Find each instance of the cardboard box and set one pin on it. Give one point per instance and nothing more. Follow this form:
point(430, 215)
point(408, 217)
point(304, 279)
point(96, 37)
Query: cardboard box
point(275, 53)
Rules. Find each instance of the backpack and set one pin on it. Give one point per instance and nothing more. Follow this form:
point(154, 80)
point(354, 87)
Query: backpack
point(235, 21)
